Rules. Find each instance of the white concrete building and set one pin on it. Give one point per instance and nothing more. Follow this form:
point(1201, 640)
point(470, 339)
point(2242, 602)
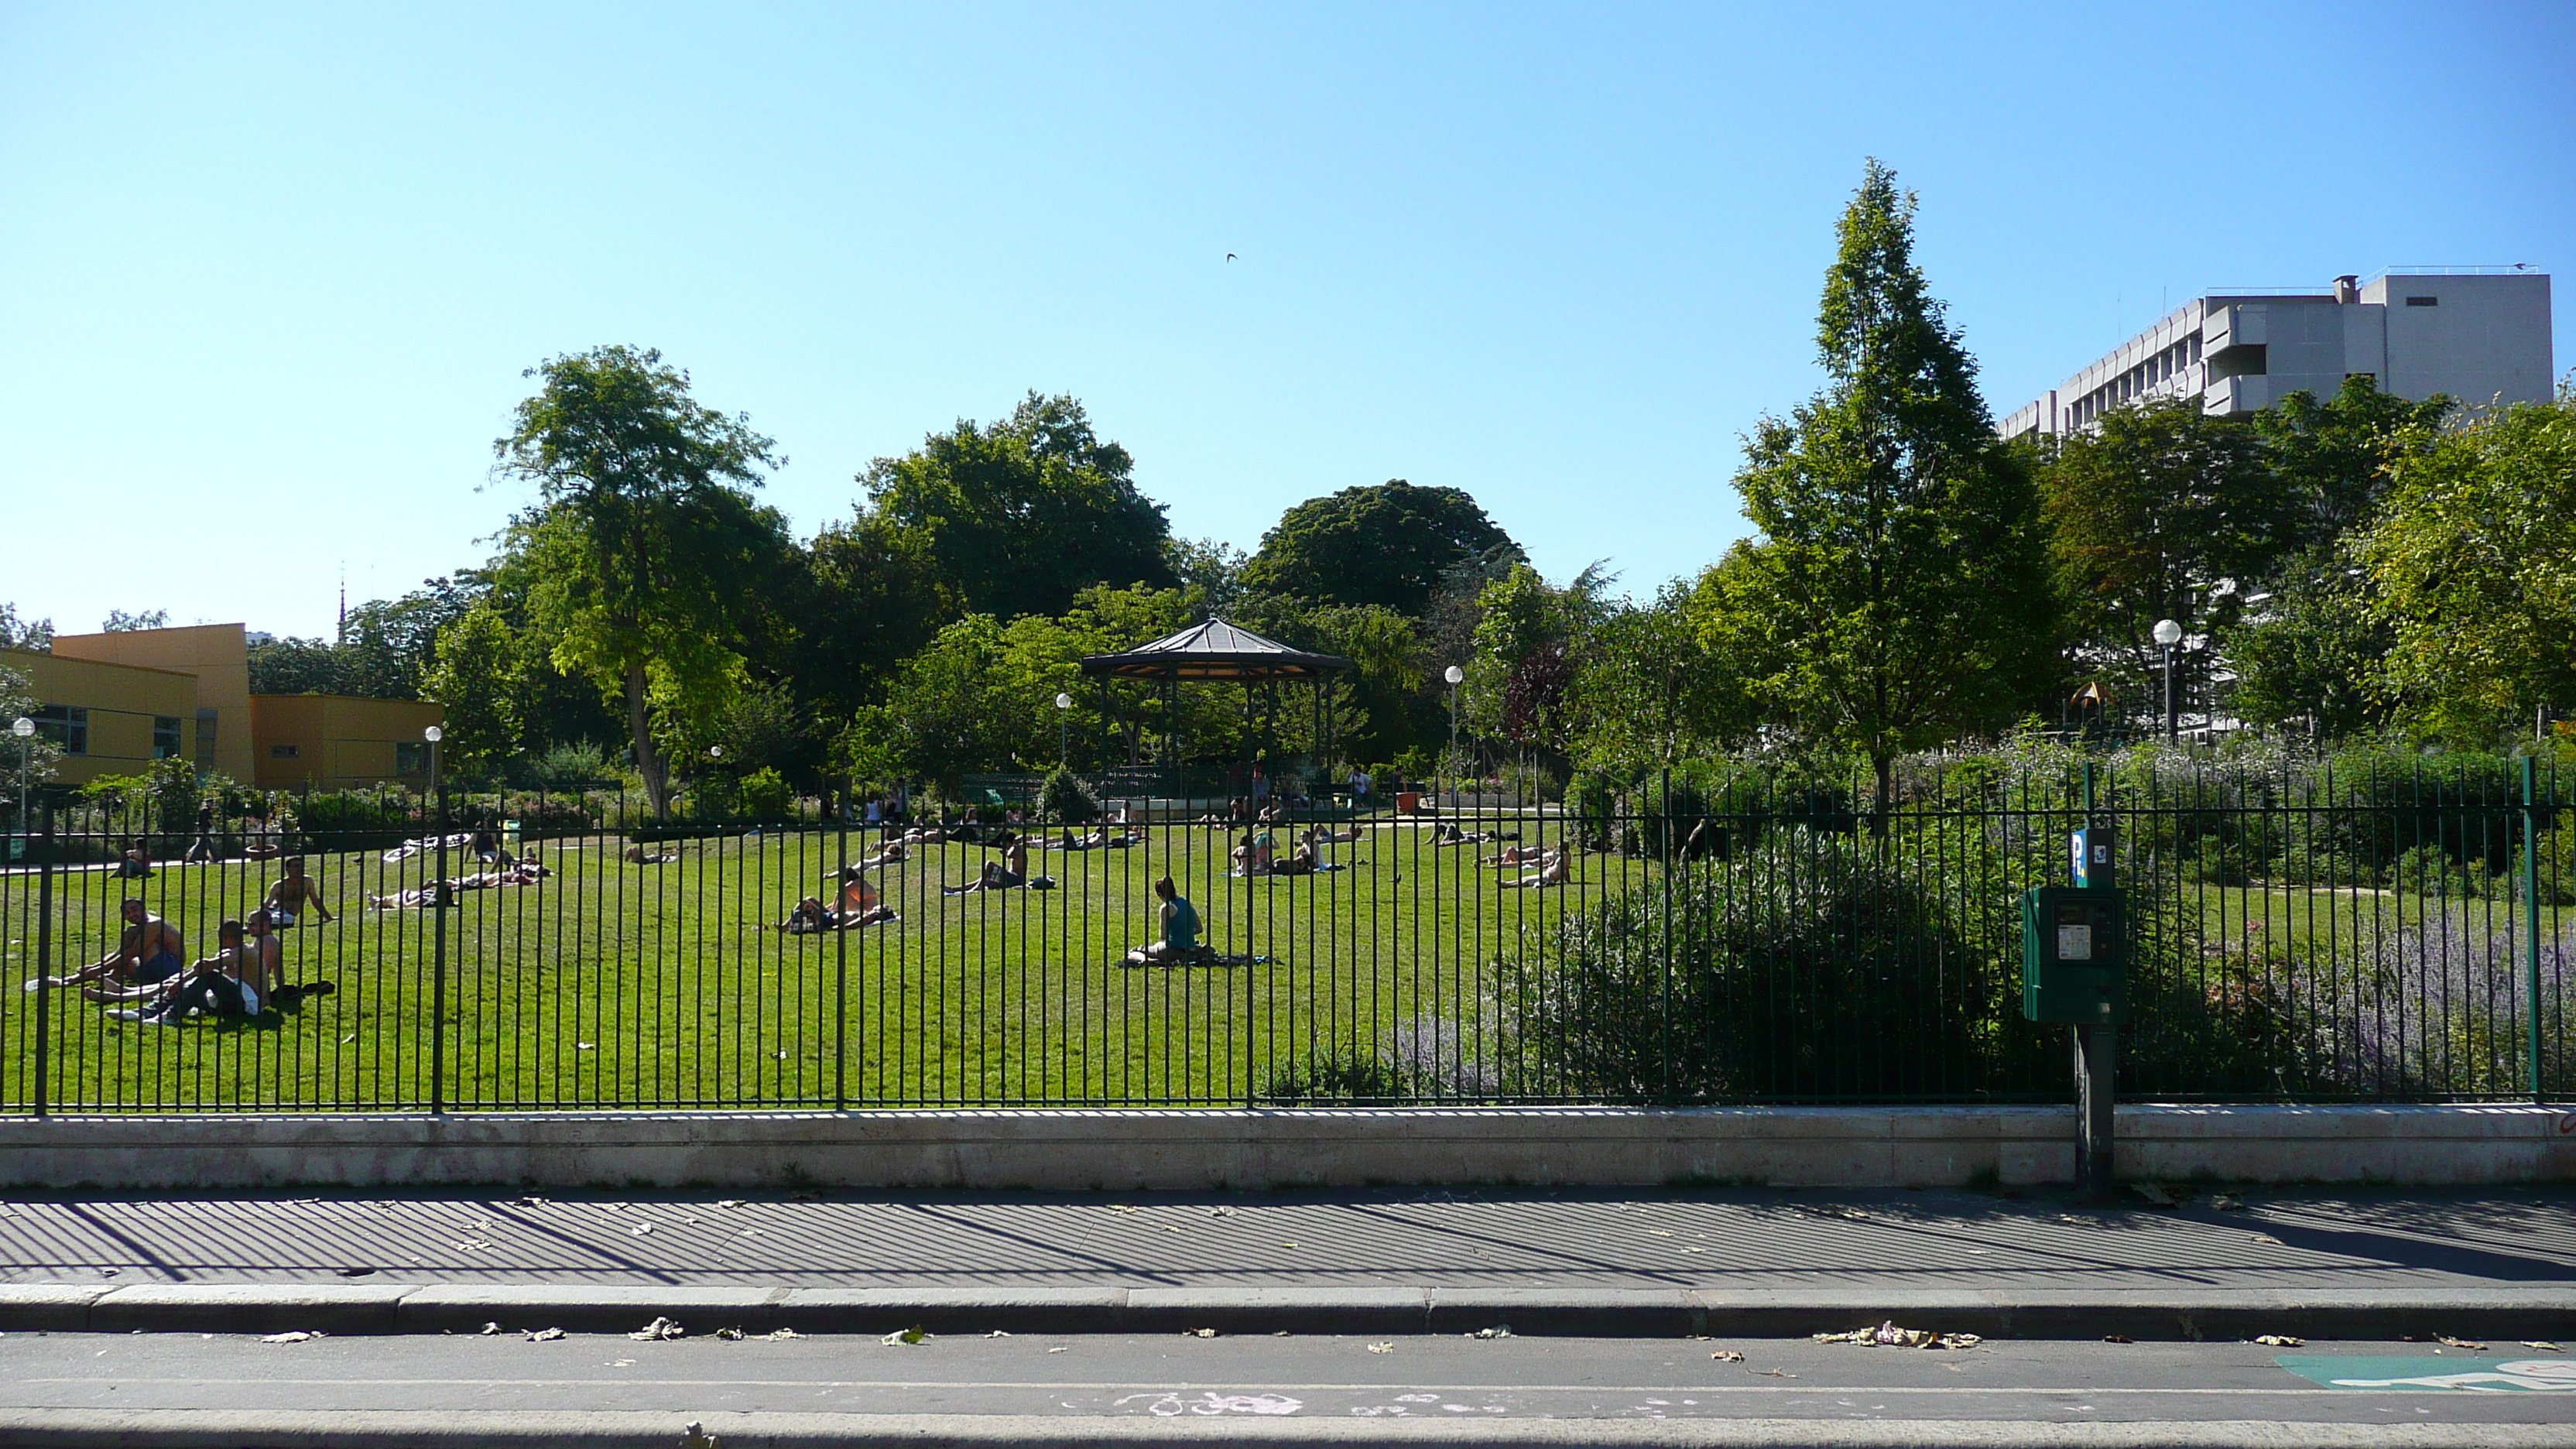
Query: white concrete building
point(2479, 335)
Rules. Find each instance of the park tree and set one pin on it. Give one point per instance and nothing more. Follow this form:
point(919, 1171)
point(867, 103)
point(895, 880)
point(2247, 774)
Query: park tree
point(868, 594)
point(131, 621)
point(17, 632)
point(2159, 511)
point(1648, 691)
point(649, 553)
point(2311, 650)
point(475, 678)
point(2473, 558)
point(2333, 457)
point(1022, 514)
point(1899, 571)
point(25, 765)
point(1388, 545)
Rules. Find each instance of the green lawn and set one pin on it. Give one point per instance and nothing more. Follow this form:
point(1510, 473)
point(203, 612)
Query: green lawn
point(630, 985)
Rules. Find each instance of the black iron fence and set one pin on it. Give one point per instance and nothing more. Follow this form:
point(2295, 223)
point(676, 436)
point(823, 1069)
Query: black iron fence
point(2398, 936)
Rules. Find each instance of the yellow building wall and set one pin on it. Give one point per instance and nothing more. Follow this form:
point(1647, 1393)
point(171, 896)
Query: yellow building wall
point(331, 741)
point(218, 655)
point(123, 703)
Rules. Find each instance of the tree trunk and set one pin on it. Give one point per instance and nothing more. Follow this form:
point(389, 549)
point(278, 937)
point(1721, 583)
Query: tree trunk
point(648, 761)
point(1886, 768)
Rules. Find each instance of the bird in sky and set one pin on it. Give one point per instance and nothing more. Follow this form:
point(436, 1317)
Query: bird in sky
point(1229, 256)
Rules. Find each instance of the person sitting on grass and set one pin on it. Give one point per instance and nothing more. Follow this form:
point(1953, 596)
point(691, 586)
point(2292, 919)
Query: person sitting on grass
point(1180, 926)
point(999, 875)
point(1551, 872)
point(135, 863)
point(260, 941)
point(287, 898)
point(1256, 854)
point(226, 984)
point(148, 953)
point(1301, 861)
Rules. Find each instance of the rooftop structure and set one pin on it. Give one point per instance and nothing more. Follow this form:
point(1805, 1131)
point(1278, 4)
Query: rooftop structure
point(2478, 335)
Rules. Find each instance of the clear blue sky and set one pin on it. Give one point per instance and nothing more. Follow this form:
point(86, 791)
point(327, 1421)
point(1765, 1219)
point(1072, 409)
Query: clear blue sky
point(269, 276)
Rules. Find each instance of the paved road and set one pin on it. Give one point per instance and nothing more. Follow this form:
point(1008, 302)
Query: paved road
point(1017, 1386)
point(1736, 1240)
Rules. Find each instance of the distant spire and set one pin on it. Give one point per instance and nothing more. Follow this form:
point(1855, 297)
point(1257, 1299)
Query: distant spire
point(340, 632)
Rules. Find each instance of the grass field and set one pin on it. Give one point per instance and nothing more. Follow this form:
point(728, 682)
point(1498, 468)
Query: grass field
point(621, 984)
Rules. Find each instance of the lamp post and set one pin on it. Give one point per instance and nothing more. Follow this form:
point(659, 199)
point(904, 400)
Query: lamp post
point(1063, 742)
point(438, 930)
point(2169, 634)
point(1456, 676)
point(25, 729)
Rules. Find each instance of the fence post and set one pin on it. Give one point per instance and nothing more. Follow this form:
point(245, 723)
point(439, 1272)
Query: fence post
point(438, 934)
point(2531, 914)
point(841, 966)
point(44, 961)
point(1664, 815)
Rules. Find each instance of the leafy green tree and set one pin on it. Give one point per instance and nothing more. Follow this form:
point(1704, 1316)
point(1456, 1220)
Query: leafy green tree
point(30, 762)
point(2311, 650)
point(953, 710)
point(869, 593)
point(476, 681)
point(650, 554)
point(119, 621)
point(1211, 571)
point(288, 665)
point(2334, 456)
point(2159, 512)
point(2473, 554)
point(1648, 692)
point(1388, 545)
point(1899, 573)
point(1023, 514)
point(36, 635)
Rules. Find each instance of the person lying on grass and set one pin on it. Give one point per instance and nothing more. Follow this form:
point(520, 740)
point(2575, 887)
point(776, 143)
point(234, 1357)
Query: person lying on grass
point(1551, 872)
point(150, 951)
point(1318, 835)
point(811, 916)
point(1452, 835)
point(1010, 871)
point(1301, 861)
point(1519, 855)
point(290, 894)
point(892, 853)
point(636, 854)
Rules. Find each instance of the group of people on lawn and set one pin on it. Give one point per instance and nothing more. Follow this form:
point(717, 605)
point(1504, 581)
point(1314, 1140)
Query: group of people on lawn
point(148, 978)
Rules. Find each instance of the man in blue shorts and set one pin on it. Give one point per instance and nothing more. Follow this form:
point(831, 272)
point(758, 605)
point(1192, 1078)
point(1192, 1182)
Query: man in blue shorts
point(147, 954)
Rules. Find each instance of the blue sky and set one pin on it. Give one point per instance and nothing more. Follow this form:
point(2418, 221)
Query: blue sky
point(269, 276)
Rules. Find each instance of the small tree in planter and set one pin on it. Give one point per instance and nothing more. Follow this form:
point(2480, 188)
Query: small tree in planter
point(1064, 798)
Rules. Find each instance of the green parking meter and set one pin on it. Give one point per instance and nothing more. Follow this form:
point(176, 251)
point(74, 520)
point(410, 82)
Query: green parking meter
point(2075, 955)
point(2075, 971)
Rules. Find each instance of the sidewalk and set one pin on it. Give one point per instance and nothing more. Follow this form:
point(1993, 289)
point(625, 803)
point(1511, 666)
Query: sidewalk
point(1752, 1263)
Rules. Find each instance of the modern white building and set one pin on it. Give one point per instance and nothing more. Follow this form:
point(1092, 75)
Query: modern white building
point(2479, 335)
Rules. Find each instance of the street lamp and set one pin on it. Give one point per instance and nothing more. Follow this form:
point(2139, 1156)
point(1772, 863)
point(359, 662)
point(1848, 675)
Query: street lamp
point(1063, 743)
point(2169, 634)
point(1456, 676)
point(25, 729)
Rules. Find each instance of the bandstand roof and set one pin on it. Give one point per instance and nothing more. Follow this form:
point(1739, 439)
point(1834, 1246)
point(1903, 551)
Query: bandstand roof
point(1215, 650)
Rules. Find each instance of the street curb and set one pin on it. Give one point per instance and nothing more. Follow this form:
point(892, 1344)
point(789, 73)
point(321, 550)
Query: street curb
point(2189, 1316)
point(470, 1429)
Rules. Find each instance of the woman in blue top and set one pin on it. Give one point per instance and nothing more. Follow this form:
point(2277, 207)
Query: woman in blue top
point(1180, 925)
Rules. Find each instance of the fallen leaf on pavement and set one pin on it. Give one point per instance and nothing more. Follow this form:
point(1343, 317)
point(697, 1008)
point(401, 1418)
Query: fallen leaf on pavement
point(298, 1336)
point(2542, 1344)
point(1381, 1348)
point(546, 1335)
point(1499, 1330)
point(657, 1330)
point(2261, 1238)
point(903, 1336)
point(1120, 1207)
point(2469, 1344)
point(2228, 1202)
point(1727, 1355)
point(2280, 1340)
point(640, 1229)
point(1198, 1333)
point(1059, 1348)
point(2117, 1338)
point(781, 1335)
point(1888, 1335)
point(732, 1202)
point(729, 1335)
point(489, 1329)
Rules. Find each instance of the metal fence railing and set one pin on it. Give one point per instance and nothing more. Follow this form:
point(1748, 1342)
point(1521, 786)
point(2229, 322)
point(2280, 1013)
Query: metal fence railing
point(2298, 935)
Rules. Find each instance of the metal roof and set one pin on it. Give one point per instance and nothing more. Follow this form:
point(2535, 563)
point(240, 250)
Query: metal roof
point(1216, 650)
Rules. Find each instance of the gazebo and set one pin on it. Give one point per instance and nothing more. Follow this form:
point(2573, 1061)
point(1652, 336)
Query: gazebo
point(1217, 652)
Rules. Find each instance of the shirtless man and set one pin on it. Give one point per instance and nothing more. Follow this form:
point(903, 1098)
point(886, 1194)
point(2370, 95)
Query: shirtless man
point(228, 983)
point(147, 954)
point(288, 897)
point(999, 875)
point(1551, 872)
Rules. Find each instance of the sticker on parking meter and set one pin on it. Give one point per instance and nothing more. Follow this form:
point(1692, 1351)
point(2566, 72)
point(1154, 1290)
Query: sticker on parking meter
point(2075, 943)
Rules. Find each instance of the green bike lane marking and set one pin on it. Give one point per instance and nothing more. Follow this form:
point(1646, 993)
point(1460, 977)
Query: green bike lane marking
point(2441, 1375)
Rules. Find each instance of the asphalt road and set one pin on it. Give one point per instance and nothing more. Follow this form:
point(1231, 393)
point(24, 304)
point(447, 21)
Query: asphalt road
point(1404, 1378)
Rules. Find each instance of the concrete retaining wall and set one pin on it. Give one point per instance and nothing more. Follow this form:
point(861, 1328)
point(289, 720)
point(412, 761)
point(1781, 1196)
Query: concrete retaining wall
point(1859, 1147)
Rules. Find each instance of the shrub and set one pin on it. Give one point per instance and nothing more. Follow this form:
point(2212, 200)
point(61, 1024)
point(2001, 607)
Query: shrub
point(765, 796)
point(1813, 965)
point(1063, 798)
